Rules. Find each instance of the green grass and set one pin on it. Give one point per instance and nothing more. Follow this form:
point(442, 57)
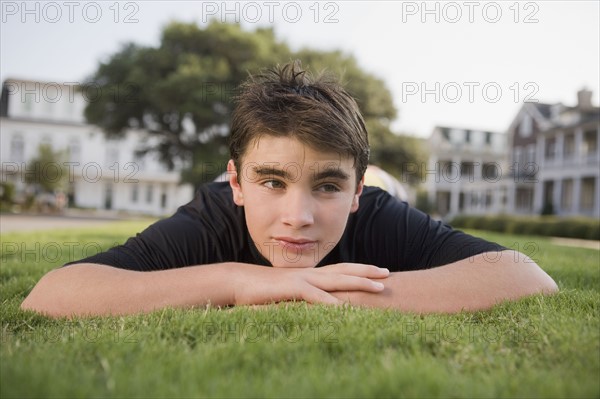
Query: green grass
point(537, 347)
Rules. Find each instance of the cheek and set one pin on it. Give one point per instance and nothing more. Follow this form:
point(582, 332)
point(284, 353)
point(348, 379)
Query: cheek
point(334, 219)
point(259, 215)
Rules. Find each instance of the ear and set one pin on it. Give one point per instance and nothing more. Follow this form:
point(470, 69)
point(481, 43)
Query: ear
point(238, 196)
point(359, 189)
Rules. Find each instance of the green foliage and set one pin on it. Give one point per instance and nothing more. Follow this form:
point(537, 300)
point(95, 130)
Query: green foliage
point(7, 192)
point(48, 171)
point(391, 152)
point(548, 209)
point(7, 196)
point(193, 75)
point(540, 226)
point(422, 203)
point(188, 80)
point(536, 347)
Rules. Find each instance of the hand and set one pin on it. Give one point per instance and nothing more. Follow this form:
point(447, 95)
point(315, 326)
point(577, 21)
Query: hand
point(255, 285)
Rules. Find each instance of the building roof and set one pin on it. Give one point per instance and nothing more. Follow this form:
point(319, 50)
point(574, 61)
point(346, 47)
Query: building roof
point(557, 116)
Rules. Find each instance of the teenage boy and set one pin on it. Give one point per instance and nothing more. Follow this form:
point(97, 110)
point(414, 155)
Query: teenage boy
point(295, 201)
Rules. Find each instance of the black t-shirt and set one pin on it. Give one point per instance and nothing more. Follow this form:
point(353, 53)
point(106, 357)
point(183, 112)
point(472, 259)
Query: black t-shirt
point(385, 232)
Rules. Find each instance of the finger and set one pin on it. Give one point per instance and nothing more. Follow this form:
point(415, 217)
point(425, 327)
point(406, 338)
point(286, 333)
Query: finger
point(341, 282)
point(357, 269)
point(313, 294)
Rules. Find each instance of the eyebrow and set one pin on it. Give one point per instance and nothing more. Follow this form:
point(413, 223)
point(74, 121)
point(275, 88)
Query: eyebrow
point(271, 171)
point(327, 173)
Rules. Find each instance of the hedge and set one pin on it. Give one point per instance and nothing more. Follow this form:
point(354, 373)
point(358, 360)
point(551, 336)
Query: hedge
point(532, 225)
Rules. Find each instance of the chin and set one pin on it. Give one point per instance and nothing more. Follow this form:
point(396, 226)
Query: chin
point(301, 264)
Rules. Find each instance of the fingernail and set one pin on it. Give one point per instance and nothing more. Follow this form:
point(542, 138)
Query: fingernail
point(378, 285)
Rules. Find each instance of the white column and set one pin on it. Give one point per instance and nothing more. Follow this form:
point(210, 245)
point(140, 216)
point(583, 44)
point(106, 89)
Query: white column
point(431, 180)
point(578, 140)
point(556, 194)
point(576, 198)
point(597, 197)
point(538, 186)
point(559, 148)
point(455, 188)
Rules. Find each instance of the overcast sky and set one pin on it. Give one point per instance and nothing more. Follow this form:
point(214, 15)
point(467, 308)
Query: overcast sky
point(465, 64)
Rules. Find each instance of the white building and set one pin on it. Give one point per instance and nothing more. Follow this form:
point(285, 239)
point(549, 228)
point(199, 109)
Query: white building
point(547, 162)
point(466, 172)
point(103, 173)
point(556, 158)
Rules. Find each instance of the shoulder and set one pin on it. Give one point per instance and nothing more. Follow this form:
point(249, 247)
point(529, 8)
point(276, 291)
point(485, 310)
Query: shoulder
point(211, 195)
point(211, 201)
point(206, 230)
point(375, 201)
point(388, 231)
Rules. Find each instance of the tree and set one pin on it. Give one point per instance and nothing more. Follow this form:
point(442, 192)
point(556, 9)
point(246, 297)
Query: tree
point(400, 155)
point(46, 170)
point(181, 92)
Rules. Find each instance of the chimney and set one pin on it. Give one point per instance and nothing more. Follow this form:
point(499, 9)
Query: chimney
point(584, 99)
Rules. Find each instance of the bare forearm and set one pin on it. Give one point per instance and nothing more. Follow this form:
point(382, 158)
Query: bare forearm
point(90, 289)
point(476, 283)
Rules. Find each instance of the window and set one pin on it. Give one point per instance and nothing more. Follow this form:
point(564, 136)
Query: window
point(149, 193)
point(588, 189)
point(474, 198)
point(550, 150)
point(108, 194)
point(75, 151)
point(490, 171)
point(467, 169)
point(569, 146)
point(566, 200)
point(590, 142)
point(549, 192)
point(17, 148)
point(531, 153)
point(524, 199)
point(134, 192)
point(518, 156)
point(526, 126)
point(163, 199)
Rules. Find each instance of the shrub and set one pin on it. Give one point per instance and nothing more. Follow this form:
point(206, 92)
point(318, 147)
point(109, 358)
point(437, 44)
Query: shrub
point(527, 225)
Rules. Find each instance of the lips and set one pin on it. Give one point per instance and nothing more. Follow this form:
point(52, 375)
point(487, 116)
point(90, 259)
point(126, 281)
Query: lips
point(298, 244)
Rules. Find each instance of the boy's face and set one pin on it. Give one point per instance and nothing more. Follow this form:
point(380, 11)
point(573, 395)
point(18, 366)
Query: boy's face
point(296, 200)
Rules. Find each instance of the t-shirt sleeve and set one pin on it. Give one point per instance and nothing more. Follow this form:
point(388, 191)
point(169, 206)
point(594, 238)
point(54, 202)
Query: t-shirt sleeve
point(163, 245)
point(400, 237)
point(204, 231)
point(432, 243)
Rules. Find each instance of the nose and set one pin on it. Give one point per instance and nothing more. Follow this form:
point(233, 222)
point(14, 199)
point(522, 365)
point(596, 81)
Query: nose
point(298, 210)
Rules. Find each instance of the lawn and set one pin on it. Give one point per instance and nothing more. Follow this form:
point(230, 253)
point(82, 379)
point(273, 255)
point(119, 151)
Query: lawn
point(537, 347)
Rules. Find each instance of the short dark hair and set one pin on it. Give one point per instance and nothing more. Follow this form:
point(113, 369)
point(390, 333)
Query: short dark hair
point(287, 101)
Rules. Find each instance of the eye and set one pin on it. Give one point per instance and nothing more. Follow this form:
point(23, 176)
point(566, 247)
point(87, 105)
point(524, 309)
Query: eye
point(273, 184)
point(329, 188)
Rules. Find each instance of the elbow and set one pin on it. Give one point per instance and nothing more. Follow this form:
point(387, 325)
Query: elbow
point(31, 303)
point(541, 282)
point(547, 286)
point(41, 298)
point(530, 279)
